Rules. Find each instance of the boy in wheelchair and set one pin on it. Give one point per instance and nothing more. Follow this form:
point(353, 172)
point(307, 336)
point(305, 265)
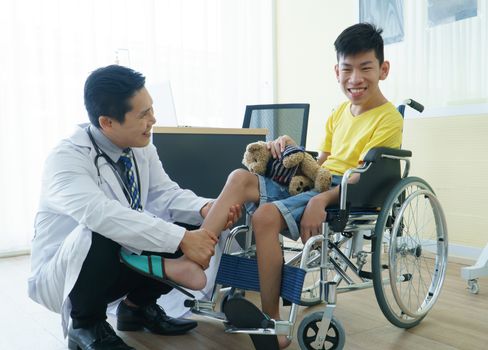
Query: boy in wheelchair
point(365, 121)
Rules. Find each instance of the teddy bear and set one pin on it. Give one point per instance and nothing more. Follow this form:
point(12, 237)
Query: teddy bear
point(296, 168)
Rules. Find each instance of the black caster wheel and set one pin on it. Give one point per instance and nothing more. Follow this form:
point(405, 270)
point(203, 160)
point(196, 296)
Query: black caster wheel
point(309, 329)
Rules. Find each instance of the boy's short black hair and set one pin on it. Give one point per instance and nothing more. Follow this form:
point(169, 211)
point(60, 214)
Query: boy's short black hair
point(360, 38)
point(108, 90)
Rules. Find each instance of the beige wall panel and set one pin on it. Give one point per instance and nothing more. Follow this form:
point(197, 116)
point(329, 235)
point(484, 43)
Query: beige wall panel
point(450, 153)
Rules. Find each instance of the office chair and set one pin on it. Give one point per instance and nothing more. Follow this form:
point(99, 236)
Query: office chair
point(280, 119)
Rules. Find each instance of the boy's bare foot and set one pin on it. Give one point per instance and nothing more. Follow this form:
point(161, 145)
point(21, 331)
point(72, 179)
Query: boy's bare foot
point(283, 341)
point(185, 272)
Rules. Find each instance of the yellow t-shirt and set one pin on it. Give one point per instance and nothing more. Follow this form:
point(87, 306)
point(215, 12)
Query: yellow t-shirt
point(348, 138)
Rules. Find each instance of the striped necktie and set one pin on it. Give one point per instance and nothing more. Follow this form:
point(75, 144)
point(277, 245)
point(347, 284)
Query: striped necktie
point(135, 201)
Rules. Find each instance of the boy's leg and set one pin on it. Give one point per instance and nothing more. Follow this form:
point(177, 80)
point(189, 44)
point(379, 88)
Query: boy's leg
point(267, 224)
point(241, 187)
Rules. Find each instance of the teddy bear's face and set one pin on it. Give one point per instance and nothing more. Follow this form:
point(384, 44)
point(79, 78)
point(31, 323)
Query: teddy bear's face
point(256, 157)
point(299, 184)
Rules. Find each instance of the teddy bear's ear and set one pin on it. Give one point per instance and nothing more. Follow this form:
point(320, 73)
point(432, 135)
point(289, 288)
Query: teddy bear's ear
point(252, 147)
point(255, 146)
point(256, 157)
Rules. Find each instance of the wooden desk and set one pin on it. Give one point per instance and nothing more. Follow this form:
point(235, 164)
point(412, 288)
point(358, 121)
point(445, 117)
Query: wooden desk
point(200, 159)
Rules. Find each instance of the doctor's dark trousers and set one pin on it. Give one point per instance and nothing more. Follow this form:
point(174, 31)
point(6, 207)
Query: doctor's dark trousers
point(103, 279)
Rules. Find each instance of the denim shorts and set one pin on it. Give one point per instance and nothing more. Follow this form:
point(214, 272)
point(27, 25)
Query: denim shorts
point(290, 207)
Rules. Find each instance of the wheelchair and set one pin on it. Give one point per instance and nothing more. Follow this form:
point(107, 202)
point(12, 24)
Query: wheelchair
point(388, 232)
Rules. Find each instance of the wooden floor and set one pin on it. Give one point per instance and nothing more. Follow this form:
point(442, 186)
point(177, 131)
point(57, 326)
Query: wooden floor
point(458, 321)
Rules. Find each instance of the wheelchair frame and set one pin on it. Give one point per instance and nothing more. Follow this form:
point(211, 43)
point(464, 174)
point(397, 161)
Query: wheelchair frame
point(407, 268)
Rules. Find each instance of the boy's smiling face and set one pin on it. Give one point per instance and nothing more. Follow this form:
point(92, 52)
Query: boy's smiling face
point(359, 77)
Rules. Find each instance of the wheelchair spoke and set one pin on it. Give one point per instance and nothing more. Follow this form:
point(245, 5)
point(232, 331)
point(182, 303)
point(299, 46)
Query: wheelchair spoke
point(428, 268)
point(422, 283)
point(410, 287)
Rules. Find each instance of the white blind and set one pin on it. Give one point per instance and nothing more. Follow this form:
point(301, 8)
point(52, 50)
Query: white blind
point(443, 65)
point(217, 54)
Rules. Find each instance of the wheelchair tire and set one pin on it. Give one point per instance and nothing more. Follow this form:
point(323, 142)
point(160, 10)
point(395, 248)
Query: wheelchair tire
point(409, 253)
point(308, 329)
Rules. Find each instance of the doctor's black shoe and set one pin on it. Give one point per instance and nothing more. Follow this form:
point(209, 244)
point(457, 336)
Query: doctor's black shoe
point(100, 336)
point(153, 318)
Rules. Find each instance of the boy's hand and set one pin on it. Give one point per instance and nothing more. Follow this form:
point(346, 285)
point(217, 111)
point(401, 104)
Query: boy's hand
point(312, 219)
point(235, 213)
point(315, 214)
point(277, 146)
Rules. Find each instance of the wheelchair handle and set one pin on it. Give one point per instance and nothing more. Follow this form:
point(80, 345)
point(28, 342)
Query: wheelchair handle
point(414, 104)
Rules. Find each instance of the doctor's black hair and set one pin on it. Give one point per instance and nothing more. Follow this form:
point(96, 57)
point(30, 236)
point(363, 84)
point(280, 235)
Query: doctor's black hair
point(108, 91)
point(359, 38)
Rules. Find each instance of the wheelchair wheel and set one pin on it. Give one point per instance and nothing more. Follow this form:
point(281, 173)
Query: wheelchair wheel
point(410, 253)
point(309, 328)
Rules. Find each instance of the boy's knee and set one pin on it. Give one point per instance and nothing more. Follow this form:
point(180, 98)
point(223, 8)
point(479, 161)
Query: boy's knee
point(266, 218)
point(240, 178)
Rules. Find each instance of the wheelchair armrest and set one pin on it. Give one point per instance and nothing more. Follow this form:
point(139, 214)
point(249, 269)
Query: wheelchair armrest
point(380, 171)
point(375, 154)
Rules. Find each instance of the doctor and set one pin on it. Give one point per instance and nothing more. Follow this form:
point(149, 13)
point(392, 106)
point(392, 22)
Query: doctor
point(93, 202)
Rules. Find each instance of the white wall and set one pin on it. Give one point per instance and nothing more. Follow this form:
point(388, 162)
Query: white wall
point(305, 34)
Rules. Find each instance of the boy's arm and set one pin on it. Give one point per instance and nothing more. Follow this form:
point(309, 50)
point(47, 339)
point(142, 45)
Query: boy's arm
point(315, 214)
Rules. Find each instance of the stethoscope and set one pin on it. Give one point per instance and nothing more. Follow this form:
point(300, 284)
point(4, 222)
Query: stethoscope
point(111, 163)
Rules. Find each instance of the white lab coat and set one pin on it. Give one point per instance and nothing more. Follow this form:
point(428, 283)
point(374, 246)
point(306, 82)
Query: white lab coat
point(76, 201)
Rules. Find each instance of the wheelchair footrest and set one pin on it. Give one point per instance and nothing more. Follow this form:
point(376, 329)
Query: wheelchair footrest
point(242, 273)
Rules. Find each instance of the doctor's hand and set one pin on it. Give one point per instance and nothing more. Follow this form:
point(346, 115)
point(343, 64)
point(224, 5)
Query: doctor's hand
point(199, 246)
point(277, 146)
